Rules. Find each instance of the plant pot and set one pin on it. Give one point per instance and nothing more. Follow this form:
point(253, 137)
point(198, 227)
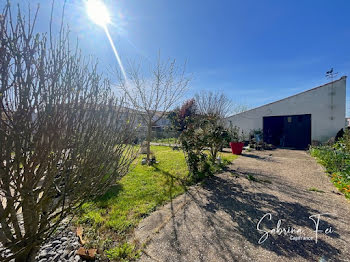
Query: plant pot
point(236, 147)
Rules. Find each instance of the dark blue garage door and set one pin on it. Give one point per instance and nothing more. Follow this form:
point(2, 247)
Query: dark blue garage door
point(288, 131)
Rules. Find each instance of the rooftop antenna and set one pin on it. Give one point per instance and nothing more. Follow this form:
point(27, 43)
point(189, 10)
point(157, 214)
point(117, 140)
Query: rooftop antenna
point(330, 75)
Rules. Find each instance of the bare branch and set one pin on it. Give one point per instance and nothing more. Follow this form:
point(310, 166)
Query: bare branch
point(64, 136)
point(155, 94)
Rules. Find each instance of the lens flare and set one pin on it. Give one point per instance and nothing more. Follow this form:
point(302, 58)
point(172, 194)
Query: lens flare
point(115, 52)
point(98, 12)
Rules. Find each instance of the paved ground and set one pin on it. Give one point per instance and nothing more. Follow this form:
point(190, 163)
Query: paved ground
point(218, 220)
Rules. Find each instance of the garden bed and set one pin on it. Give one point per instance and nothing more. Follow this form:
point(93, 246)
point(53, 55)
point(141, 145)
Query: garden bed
point(337, 164)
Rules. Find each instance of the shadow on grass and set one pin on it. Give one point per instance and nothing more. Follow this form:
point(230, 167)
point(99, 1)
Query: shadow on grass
point(111, 193)
point(171, 179)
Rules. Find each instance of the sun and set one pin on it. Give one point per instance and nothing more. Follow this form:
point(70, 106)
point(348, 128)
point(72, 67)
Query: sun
point(98, 12)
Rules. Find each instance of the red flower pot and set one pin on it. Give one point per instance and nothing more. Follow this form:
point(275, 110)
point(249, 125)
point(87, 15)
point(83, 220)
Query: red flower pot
point(236, 147)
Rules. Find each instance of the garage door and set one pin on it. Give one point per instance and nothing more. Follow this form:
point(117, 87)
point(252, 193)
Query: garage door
point(288, 131)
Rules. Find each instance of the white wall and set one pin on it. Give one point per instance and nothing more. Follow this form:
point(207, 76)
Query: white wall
point(325, 103)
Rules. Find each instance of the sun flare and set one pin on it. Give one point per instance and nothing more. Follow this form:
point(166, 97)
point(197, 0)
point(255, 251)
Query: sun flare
point(98, 12)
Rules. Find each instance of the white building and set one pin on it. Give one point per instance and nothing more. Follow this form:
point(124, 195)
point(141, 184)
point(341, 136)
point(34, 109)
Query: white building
point(313, 115)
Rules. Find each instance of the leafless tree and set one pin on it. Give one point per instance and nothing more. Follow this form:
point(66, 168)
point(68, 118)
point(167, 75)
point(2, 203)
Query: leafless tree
point(63, 136)
point(153, 94)
point(239, 108)
point(213, 104)
point(217, 104)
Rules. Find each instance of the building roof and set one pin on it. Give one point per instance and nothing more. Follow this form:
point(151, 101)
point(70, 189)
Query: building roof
point(312, 89)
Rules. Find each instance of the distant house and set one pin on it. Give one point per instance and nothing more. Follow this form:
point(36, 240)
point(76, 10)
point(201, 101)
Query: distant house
point(313, 115)
point(164, 122)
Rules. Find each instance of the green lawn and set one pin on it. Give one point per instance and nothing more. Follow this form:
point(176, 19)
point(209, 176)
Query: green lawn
point(114, 215)
point(171, 140)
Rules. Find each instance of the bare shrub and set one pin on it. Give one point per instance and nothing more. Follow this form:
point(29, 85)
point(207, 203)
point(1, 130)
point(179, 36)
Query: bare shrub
point(64, 137)
point(218, 104)
point(213, 104)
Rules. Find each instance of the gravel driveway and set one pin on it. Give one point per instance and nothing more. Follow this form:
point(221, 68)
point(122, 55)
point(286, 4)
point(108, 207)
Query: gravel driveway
point(218, 220)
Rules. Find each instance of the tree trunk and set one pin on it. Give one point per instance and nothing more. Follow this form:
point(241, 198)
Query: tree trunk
point(148, 140)
point(28, 255)
point(215, 155)
point(32, 254)
point(212, 155)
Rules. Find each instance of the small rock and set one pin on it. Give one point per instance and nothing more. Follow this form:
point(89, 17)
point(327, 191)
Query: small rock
point(56, 258)
point(69, 247)
point(46, 246)
point(77, 258)
point(64, 239)
point(43, 254)
point(75, 245)
point(72, 253)
point(56, 242)
point(66, 254)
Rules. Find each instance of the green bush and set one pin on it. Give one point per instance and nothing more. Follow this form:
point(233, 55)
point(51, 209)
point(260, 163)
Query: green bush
point(332, 159)
point(336, 160)
point(201, 142)
point(193, 144)
point(216, 136)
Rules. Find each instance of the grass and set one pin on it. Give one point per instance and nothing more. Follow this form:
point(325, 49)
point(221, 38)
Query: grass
point(139, 192)
point(252, 178)
point(314, 189)
point(227, 158)
point(113, 216)
point(123, 252)
point(171, 140)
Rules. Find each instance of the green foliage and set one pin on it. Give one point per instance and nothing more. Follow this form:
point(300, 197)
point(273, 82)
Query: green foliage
point(234, 134)
point(123, 252)
point(333, 159)
point(203, 132)
point(215, 136)
point(336, 160)
point(193, 144)
point(343, 142)
point(199, 132)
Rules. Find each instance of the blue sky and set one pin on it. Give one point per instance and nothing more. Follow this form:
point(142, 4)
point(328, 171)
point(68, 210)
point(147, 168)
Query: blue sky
point(254, 51)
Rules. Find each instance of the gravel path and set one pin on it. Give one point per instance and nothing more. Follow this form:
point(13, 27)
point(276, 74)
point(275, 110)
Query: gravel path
point(218, 220)
point(61, 247)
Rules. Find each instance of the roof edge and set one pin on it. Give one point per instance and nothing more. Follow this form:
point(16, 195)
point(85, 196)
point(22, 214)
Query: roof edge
point(312, 89)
